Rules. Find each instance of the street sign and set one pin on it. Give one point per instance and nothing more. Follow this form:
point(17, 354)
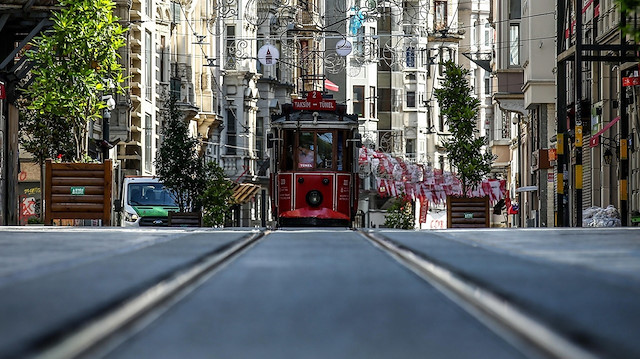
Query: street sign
point(268, 55)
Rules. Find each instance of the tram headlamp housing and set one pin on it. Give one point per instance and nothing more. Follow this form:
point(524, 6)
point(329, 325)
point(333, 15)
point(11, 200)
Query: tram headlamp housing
point(314, 198)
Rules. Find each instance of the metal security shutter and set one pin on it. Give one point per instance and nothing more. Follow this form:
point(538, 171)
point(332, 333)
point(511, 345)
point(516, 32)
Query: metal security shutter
point(587, 166)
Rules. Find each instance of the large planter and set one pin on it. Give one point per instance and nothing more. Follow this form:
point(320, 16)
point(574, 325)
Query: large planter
point(464, 212)
point(185, 219)
point(78, 191)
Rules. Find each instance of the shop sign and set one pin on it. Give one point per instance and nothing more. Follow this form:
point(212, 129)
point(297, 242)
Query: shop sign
point(630, 81)
point(77, 191)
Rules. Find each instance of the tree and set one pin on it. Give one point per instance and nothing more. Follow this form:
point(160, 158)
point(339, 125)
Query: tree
point(217, 197)
point(460, 109)
point(196, 185)
point(178, 165)
point(75, 63)
point(627, 7)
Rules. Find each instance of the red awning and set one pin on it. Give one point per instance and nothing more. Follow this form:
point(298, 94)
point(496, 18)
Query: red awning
point(331, 86)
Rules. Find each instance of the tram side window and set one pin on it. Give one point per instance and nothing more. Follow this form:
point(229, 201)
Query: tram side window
point(306, 150)
point(289, 152)
point(340, 157)
point(325, 150)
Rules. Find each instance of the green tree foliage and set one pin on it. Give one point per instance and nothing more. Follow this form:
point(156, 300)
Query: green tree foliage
point(400, 214)
point(197, 186)
point(75, 63)
point(460, 109)
point(628, 7)
point(177, 163)
point(217, 197)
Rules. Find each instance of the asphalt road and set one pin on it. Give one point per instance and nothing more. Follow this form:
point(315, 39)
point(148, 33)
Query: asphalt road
point(317, 293)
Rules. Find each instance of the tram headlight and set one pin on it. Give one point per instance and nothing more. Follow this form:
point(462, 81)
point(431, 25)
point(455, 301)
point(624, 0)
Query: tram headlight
point(314, 198)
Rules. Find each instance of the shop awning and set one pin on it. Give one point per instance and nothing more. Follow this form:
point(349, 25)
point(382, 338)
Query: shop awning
point(244, 192)
point(331, 86)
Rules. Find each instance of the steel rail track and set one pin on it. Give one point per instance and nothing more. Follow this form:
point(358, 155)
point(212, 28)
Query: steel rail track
point(524, 332)
point(105, 332)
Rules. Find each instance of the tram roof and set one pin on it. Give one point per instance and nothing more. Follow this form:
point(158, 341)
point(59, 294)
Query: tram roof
point(315, 119)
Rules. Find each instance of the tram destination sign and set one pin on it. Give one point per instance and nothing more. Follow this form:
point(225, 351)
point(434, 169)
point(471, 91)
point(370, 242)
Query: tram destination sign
point(314, 102)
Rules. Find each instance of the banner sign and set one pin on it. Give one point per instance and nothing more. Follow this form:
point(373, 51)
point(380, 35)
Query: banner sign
point(315, 102)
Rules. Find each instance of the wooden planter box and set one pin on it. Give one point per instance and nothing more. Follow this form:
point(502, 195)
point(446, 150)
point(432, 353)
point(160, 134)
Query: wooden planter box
point(78, 191)
point(185, 219)
point(465, 212)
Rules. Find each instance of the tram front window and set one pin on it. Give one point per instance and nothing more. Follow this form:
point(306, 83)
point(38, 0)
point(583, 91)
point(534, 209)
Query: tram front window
point(325, 150)
point(306, 150)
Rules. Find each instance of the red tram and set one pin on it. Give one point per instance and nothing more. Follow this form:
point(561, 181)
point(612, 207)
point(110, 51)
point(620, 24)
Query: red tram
point(314, 159)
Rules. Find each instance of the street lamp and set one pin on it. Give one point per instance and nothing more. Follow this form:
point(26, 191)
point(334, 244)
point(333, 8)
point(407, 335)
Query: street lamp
point(106, 116)
point(609, 143)
point(608, 156)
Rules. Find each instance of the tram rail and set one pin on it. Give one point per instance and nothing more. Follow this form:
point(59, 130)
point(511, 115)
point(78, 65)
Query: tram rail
point(509, 322)
point(104, 332)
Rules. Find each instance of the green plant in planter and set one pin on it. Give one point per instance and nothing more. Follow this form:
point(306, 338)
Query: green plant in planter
point(460, 110)
point(400, 214)
point(34, 220)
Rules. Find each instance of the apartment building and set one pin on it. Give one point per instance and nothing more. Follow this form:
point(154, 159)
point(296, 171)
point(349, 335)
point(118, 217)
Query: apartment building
point(509, 131)
point(597, 95)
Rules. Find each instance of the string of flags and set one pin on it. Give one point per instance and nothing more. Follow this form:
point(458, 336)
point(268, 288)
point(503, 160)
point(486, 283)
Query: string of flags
point(394, 177)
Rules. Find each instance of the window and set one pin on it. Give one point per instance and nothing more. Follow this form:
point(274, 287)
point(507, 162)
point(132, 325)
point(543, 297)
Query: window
point(315, 150)
point(372, 101)
point(175, 87)
point(384, 105)
point(487, 83)
point(411, 144)
point(440, 19)
point(148, 138)
point(306, 150)
point(163, 60)
point(325, 150)
point(506, 126)
point(260, 137)
point(445, 55)
point(384, 20)
point(148, 9)
point(487, 34)
point(230, 62)
point(231, 132)
point(148, 72)
point(411, 99)
point(514, 45)
point(358, 49)
point(176, 12)
point(385, 58)
point(358, 100)
point(514, 9)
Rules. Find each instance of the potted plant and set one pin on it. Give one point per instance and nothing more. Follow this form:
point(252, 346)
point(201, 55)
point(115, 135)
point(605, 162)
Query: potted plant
point(464, 147)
